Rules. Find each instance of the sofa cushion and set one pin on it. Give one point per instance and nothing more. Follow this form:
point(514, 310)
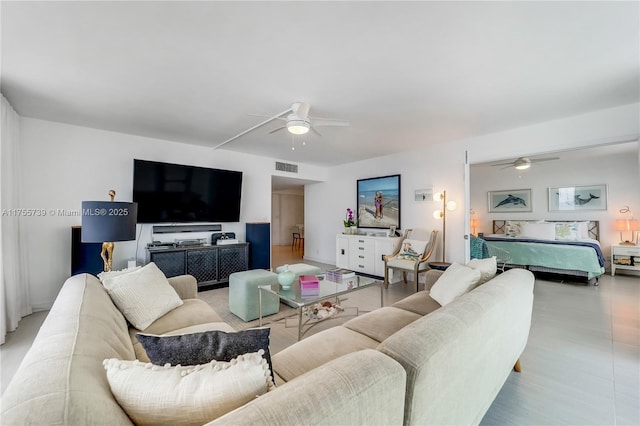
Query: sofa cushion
point(454, 282)
point(189, 395)
point(420, 303)
point(317, 350)
point(143, 295)
point(381, 323)
point(192, 312)
point(487, 267)
point(203, 347)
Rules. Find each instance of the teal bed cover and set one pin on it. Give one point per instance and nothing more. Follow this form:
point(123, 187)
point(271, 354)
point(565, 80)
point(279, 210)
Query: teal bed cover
point(554, 256)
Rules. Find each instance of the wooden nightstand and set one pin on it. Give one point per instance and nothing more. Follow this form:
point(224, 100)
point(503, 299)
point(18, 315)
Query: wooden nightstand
point(625, 257)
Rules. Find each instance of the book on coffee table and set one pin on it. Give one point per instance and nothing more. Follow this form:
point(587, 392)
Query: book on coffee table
point(309, 281)
point(339, 274)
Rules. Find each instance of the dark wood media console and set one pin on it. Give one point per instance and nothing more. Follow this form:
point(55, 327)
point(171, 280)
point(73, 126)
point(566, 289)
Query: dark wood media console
point(210, 265)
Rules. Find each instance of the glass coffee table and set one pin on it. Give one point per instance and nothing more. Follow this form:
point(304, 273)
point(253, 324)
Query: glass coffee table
point(305, 298)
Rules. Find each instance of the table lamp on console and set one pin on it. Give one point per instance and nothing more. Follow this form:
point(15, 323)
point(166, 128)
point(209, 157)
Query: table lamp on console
point(108, 221)
point(628, 224)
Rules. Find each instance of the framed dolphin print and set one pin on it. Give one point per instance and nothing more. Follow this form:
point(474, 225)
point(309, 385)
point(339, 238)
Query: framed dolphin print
point(577, 198)
point(509, 201)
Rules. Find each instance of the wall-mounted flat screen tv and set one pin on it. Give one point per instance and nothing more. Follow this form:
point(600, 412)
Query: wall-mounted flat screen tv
point(379, 202)
point(178, 193)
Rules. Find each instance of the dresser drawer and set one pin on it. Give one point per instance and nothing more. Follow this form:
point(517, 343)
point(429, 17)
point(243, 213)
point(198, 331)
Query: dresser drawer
point(361, 254)
point(626, 251)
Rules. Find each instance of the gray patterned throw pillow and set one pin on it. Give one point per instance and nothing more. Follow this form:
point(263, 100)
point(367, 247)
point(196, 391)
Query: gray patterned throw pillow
point(204, 347)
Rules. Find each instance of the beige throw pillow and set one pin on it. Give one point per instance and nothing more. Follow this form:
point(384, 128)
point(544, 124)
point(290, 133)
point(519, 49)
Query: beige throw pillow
point(186, 395)
point(487, 267)
point(143, 295)
point(454, 282)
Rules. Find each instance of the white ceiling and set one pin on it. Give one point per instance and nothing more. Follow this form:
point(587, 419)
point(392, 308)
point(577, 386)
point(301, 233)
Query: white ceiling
point(404, 74)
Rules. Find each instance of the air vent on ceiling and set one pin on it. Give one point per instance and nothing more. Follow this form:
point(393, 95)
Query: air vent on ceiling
point(285, 167)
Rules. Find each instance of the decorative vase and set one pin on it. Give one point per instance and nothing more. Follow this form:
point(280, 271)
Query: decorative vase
point(285, 278)
point(354, 230)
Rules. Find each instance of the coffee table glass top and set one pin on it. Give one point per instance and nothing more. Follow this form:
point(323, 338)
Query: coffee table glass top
point(325, 289)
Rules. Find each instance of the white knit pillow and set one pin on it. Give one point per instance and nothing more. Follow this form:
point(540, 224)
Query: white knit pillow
point(189, 395)
point(143, 295)
point(110, 274)
point(455, 281)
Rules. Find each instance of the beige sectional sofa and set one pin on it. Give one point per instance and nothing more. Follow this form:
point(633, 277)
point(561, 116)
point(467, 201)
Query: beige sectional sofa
point(391, 366)
point(62, 380)
point(457, 357)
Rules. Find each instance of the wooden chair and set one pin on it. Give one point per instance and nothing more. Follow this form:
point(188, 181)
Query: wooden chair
point(297, 241)
point(404, 260)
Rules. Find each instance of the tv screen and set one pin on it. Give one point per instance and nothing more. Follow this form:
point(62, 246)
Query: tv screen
point(379, 202)
point(177, 193)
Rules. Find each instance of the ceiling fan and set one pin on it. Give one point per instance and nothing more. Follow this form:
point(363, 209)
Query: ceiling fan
point(297, 122)
point(523, 163)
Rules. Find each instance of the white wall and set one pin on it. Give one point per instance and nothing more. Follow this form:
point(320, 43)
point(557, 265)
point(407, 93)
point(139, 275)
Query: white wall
point(442, 167)
point(63, 165)
point(616, 170)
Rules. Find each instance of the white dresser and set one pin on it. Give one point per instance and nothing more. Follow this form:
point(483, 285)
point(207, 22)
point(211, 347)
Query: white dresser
point(364, 254)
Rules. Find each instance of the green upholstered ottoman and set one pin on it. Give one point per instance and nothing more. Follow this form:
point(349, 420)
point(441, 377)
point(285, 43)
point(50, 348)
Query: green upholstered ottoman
point(244, 299)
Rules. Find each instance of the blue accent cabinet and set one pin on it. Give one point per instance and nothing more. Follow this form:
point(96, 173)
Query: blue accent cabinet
point(259, 237)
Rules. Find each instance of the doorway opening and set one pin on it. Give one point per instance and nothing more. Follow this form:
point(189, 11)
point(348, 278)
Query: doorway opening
point(287, 220)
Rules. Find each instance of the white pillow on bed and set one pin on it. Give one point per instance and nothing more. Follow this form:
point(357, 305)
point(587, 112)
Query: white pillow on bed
point(583, 230)
point(539, 231)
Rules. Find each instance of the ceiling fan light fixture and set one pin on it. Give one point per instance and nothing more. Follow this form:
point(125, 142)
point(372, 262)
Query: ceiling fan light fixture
point(522, 164)
point(298, 127)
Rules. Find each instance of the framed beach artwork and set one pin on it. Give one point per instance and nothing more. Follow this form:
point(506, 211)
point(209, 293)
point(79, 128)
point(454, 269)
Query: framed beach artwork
point(422, 195)
point(379, 202)
point(510, 201)
point(577, 198)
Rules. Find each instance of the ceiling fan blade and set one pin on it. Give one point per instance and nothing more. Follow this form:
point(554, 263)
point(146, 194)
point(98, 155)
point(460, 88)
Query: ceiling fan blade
point(262, 115)
point(279, 128)
point(301, 110)
point(537, 160)
point(510, 163)
point(329, 122)
point(253, 128)
point(313, 129)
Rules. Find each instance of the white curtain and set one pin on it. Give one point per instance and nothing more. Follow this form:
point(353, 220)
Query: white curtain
point(14, 288)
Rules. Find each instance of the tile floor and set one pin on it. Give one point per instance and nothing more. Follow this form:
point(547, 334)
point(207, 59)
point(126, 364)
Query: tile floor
point(581, 365)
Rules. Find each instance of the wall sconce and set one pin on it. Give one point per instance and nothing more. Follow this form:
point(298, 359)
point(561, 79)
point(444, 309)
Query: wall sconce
point(442, 214)
point(108, 221)
point(630, 224)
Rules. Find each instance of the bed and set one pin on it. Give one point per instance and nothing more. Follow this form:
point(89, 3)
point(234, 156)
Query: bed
point(565, 248)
